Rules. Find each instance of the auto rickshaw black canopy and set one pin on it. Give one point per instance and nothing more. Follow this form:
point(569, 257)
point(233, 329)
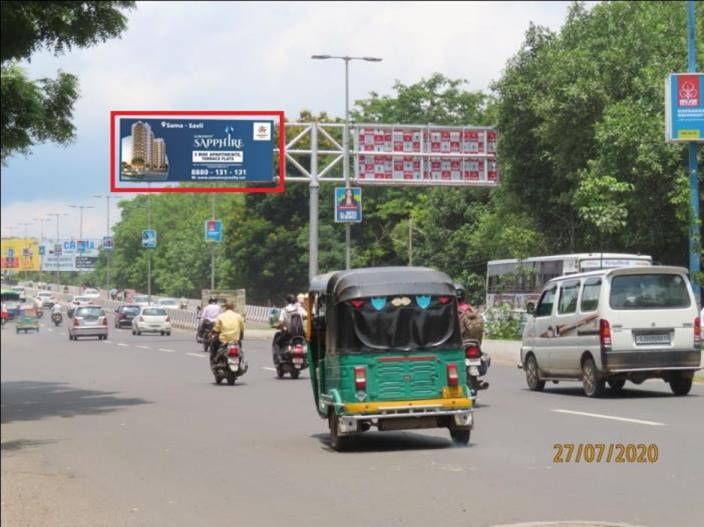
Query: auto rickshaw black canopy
point(380, 281)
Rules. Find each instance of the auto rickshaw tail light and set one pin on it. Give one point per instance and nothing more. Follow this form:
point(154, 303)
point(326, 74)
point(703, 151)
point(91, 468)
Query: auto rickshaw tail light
point(473, 352)
point(360, 378)
point(605, 335)
point(444, 299)
point(357, 303)
point(453, 377)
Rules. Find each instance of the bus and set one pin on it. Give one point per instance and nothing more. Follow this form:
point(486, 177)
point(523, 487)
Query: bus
point(518, 283)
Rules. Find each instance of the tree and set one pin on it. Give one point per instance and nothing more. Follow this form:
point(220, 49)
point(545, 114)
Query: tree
point(35, 111)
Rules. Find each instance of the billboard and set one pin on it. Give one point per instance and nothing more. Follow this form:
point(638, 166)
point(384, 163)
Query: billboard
point(19, 254)
point(213, 230)
point(71, 255)
point(425, 154)
point(348, 205)
point(149, 239)
point(684, 107)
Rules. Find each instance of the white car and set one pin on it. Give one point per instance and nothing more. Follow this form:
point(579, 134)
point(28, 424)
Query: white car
point(169, 303)
point(151, 319)
point(44, 299)
point(614, 325)
point(91, 293)
point(78, 301)
point(89, 321)
point(141, 300)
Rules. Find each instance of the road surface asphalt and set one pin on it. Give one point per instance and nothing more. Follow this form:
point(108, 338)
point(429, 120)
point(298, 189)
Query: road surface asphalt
point(133, 432)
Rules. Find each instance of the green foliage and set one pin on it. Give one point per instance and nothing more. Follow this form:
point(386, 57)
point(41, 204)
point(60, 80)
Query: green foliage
point(502, 323)
point(35, 111)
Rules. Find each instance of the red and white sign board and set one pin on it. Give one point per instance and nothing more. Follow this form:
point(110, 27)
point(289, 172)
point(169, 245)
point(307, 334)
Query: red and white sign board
point(379, 149)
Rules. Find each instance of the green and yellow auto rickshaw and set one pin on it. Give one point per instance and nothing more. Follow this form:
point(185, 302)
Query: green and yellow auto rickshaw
point(385, 351)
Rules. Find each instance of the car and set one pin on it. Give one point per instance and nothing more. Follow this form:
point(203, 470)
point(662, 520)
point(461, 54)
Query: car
point(44, 299)
point(169, 303)
point(610, 326)
point(91, 293)
point(141, 300)
point(151, 319)
point(124, 315)
point(76, 302)
point(88, 321)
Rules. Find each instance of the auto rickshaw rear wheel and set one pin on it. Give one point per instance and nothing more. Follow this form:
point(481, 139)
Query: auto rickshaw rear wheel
point(337, 442)
point(460, 436)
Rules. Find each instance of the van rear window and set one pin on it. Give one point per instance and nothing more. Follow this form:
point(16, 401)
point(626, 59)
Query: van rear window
point(649, 291)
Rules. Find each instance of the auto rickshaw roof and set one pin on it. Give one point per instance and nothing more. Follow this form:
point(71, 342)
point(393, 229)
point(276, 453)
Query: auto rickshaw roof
point(382, 281)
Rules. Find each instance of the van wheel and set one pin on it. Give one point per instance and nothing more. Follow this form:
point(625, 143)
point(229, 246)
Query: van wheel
point(616, 385)
point(337, 442)
point(680, 384)
point(460, 436)
point(591, 383)
point(532, 375)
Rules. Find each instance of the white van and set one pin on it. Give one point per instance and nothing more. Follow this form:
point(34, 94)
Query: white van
point(614, 325)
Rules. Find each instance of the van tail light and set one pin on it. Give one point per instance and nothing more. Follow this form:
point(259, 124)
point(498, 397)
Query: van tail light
point(473, 352)
point(168, 319)
point(360, 378)
point(605, 335)
point(233, 351)
point(453, 377)
point(698, 333)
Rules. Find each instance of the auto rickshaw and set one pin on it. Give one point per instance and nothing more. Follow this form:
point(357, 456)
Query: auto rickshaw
point(385, 351)
point(28, 320)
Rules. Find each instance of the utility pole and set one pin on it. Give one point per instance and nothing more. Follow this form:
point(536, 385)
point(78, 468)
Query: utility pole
point(694, 226)
point(41, 243)
point(57, 215)
point(24, 257)
point(410, 242)
point(80, 228)
point(149, 253)
point(212, 245)
point(107, 233)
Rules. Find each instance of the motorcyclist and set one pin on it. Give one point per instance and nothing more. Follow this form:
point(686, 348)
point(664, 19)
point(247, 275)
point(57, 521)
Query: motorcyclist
point(229, 327)
point(56, 309)
point(209, 314)
point(288, 325)
point(472, 328)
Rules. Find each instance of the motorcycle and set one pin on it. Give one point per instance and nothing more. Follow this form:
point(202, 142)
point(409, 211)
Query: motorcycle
point(292, 358)
point(57, 318)
point(229, 363)
point(204, 335)
point(477, 363)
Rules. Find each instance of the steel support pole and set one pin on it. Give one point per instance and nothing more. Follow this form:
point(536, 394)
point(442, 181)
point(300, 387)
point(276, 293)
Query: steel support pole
point(149, 253)
point(107, 256)
point(314, 196)
point(410, 241)
point(346, 161)
point(695, 249)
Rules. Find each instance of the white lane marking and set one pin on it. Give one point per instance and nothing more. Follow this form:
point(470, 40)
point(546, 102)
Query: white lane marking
point(107, 342)
point(196, 355)
point(167, 350)
point(144, 347)
point(611, 417)
point(49, 330)
point(122, 344)
point(267, 368)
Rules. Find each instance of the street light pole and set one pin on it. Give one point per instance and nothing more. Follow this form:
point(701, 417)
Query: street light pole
point(695, 221)
point(107, 233)
point(80, 228)
point(26, 224)
point(41, 242)
point(57, 215)
point(346, 140)
point(212, 248)
point(149, 253)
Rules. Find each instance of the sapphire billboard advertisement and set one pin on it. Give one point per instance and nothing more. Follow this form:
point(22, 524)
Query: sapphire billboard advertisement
point(196, 150)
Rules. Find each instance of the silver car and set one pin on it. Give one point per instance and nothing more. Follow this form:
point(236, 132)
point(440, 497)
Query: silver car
point(88, 321)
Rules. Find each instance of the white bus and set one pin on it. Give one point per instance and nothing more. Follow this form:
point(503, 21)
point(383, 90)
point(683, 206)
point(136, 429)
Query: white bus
point(519, 282)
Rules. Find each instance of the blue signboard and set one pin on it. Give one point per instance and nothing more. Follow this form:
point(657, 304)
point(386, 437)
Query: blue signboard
point(149, 239)
point(213, 230)
point(348, 205)
point(108, 243)
point(684, 107)
point(196, 150)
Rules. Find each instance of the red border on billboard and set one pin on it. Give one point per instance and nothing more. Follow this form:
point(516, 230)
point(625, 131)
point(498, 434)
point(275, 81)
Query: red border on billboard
point(280, 187)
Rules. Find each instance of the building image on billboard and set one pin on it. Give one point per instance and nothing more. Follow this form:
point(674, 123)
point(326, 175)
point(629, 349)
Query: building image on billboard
point(19, 254)
point(143, 154)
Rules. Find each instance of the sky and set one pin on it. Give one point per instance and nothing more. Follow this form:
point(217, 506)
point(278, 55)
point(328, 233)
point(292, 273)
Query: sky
point(248, 56)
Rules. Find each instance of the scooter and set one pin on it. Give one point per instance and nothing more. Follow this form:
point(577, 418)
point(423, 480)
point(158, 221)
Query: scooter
point(229, 363)
point(477, 363)
point(57, 318)
point(292, 358)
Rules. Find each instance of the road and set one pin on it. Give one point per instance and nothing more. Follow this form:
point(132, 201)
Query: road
point(133, 432)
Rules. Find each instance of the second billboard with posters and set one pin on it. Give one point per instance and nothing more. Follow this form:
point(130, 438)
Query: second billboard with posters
point(430, 154)
point(20, 254)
